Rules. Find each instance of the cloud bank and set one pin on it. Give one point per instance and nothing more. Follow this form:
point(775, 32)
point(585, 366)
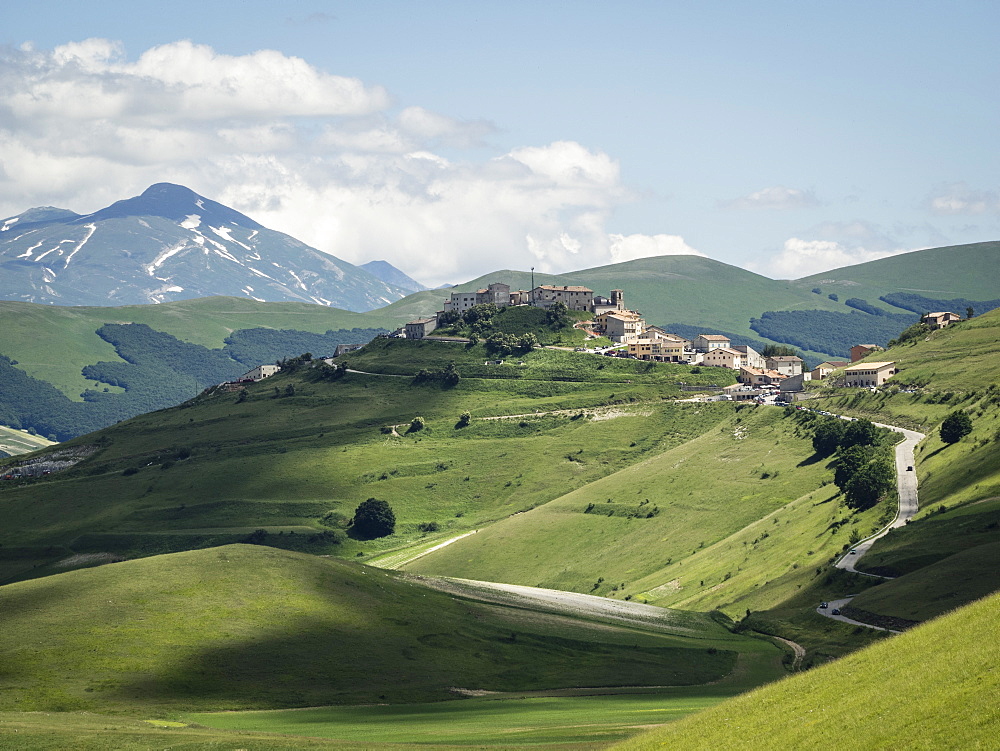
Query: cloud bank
point(329, 159)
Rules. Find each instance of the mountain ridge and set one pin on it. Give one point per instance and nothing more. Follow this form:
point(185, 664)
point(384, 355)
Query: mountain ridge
point(170, 243)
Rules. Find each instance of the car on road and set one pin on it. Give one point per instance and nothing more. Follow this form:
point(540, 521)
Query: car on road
point(836, 611)
point(824, 605)
point(909, 469)
point(854, 552)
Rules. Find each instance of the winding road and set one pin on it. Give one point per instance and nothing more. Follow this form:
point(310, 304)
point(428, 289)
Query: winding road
point(906, 485)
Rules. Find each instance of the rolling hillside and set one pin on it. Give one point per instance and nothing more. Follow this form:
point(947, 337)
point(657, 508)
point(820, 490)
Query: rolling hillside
point(576, 472)
point(245, 626)
point(941, 273)
point(931, 688)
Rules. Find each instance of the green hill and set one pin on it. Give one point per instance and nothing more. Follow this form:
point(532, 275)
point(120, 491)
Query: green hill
point(940, 273)
point(216, 469)
point(932, 688)
point(244, 626)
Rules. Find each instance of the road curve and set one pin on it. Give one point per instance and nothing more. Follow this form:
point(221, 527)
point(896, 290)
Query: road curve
point(839, 604)
point(906, 484)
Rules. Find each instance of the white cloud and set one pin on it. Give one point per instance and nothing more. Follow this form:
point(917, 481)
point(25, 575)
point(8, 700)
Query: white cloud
point(777, 197)
point(799, 258)
point(959, 198)
point(324, 158)
point(631, 247)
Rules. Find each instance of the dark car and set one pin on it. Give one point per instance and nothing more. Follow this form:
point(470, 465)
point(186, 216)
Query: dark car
point(909, 469)
point(836, 611)
point(824, 605)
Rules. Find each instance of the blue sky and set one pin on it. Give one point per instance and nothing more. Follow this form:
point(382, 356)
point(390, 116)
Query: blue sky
point(452, 139)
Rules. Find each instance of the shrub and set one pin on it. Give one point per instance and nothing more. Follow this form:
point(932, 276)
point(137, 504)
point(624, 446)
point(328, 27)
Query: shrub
point(373, 518)
point(416, 424)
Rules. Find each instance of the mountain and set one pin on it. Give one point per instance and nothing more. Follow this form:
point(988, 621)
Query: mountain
point(171, 244)
point(391, 275)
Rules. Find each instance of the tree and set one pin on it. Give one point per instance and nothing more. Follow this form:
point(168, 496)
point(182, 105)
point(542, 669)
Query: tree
point(860, 433)
point(869, 484)
point(500, 344)
point(417, 423)
point(450, 375)
point(827, 436)
point(526, 343)
point(969, 312)
point(850, 459)
point(373, 518)
point(956, 426)
point(557, 315)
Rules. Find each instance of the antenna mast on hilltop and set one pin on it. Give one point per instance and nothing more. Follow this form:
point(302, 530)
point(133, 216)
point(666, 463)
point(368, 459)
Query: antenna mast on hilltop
point(532, 286)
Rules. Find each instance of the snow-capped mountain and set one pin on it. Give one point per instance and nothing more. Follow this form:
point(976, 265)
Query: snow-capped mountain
point(171, 244)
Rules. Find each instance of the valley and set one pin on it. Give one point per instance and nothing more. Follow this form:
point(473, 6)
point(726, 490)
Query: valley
point(580, 552)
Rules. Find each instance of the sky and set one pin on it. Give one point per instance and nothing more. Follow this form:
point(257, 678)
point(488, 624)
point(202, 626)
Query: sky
point(457, 138)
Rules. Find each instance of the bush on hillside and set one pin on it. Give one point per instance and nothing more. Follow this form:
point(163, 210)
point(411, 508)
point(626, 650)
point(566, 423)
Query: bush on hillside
point(373, 518)
point(955, 427)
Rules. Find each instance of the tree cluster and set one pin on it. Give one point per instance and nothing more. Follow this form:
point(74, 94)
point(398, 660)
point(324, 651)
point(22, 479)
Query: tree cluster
point(448, 375)
point(501, 345)
point(861, 469)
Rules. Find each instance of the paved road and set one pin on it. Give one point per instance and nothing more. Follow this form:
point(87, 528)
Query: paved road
point(838, 604)
point(906, 484)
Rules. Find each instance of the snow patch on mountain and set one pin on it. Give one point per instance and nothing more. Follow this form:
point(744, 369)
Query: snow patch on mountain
point(192, 221)
point(163, 256)
point(90, 234)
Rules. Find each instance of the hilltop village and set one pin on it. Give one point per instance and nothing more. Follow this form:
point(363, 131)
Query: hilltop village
point(759, 376)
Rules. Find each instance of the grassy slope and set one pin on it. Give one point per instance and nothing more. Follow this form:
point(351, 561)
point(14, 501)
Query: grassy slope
point(959, 483)
point(722, 532)
point(253, 627)
point(282, 464)
point(32, 333)
point(934, 687)
point(942, 273)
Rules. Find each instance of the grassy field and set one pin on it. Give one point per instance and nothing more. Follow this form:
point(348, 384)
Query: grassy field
point(931, 688)
point(545, 722)
point(16, 442)
point(706, 522)
point(584, 722)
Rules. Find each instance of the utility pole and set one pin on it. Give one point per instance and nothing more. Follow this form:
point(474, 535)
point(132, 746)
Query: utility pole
point(532, 286)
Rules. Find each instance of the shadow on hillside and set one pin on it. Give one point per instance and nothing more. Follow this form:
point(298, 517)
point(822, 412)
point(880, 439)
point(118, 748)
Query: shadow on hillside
point(400, 656)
